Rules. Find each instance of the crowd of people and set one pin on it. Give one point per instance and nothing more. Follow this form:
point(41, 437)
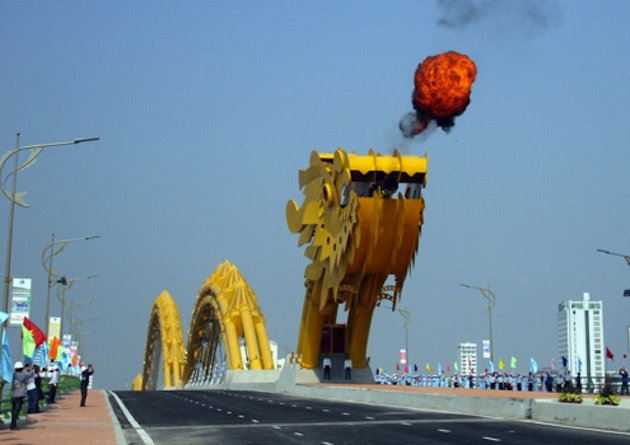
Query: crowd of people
point(27, 390)
point(548, 381)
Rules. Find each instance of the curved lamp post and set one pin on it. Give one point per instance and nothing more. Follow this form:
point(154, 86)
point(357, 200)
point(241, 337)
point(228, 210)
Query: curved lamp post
point(53, 249)
point(67, 284)
point(488, 295)
point(626, 292)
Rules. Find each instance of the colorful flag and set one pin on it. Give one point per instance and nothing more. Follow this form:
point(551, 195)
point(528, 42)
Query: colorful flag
point(6, 364)
point(553, 363)
point(28, 342)
point(397, 366)
point(456, 366)
point(43, 355)
point(513, 363)
point(440, 368)
point(490, 365)
point(428, 367)
point(609, 354)
point(60, 353)
point(3, 317)
point(448, 367)
point(533, 365)
point(37, 333)
point(579, 364)
point(54, 345)
point(501, 364)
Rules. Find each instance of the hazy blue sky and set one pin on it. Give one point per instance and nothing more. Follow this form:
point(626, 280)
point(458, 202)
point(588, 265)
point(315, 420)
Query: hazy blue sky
point(206, 111)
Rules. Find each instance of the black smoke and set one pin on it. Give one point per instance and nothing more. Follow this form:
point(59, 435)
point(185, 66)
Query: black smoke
point(528, 14)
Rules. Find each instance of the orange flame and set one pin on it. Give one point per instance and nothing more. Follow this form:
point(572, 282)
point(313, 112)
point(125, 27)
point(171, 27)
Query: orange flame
point(442, 89)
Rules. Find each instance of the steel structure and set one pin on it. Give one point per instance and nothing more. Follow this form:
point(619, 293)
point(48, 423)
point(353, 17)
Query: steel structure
point(227, 331)
point(361, 230)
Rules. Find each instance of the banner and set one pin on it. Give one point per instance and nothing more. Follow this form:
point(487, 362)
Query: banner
point(54, 327)
point(486, 348)
point(20, 301)
point(403, 356)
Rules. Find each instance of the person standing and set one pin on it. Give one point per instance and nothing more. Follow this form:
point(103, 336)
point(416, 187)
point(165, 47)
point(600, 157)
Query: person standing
point(327, 365)
point(31, 392)
point(624, 381)
point(18, 391)
point(578, 383)
point(347, 366)
point(52, 384)
point(86, 373)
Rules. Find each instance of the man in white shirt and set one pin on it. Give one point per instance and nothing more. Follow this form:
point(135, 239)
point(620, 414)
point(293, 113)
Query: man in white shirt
point(327, 365)
point(347, 365)
point(52, 384)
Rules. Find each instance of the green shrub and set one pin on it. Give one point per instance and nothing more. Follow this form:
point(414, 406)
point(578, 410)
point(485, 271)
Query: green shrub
point(607, 396)
point(569, 397)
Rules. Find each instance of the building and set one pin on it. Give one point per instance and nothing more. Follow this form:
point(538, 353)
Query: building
point(581, 336)
point(467, 358)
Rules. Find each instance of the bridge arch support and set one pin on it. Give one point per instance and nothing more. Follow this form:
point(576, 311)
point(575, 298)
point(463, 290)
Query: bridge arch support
point(164, 345)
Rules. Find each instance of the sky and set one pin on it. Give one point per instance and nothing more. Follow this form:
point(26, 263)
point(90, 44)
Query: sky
point(207, 110)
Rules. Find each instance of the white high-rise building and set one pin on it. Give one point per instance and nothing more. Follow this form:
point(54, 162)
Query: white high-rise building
point(581, 336)
point(467, 358)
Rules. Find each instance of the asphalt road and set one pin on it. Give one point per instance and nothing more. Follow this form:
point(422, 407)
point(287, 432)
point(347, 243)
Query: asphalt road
point(248, 417)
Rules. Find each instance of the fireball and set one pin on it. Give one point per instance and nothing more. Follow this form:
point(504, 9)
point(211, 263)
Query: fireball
point(442, 91)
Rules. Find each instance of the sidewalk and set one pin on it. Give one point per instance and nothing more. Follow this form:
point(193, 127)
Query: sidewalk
point(65, 422)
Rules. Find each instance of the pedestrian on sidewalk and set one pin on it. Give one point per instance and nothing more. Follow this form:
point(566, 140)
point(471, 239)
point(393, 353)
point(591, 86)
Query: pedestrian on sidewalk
point(86, 372)
point(52, 383)
point(623, 372)
point(31, 392)
point(18, 390)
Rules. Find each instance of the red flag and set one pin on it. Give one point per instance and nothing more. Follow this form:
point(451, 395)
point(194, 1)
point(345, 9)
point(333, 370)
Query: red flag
point(609, 354)
point(38, 335)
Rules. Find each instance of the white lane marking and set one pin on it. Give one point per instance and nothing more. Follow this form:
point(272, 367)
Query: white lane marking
point(255, 420)
point(275, 427)
point(136, 426)
point(345, 414)
point(240, 416)
point(296, 433)
point(491, 439)
point(369, 417)
point(442, 430)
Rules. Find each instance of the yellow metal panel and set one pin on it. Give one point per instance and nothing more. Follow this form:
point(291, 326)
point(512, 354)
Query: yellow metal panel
point(361, 231)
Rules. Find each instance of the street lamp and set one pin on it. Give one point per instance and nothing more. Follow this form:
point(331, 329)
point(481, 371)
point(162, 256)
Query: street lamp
point(67, 284)
point(17, 198)
point(488, 295)
point(407, 316)
point(49, 267)
point(626, 292)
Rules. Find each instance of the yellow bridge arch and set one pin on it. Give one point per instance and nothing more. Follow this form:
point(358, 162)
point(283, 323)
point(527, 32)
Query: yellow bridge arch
point(226, 316)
